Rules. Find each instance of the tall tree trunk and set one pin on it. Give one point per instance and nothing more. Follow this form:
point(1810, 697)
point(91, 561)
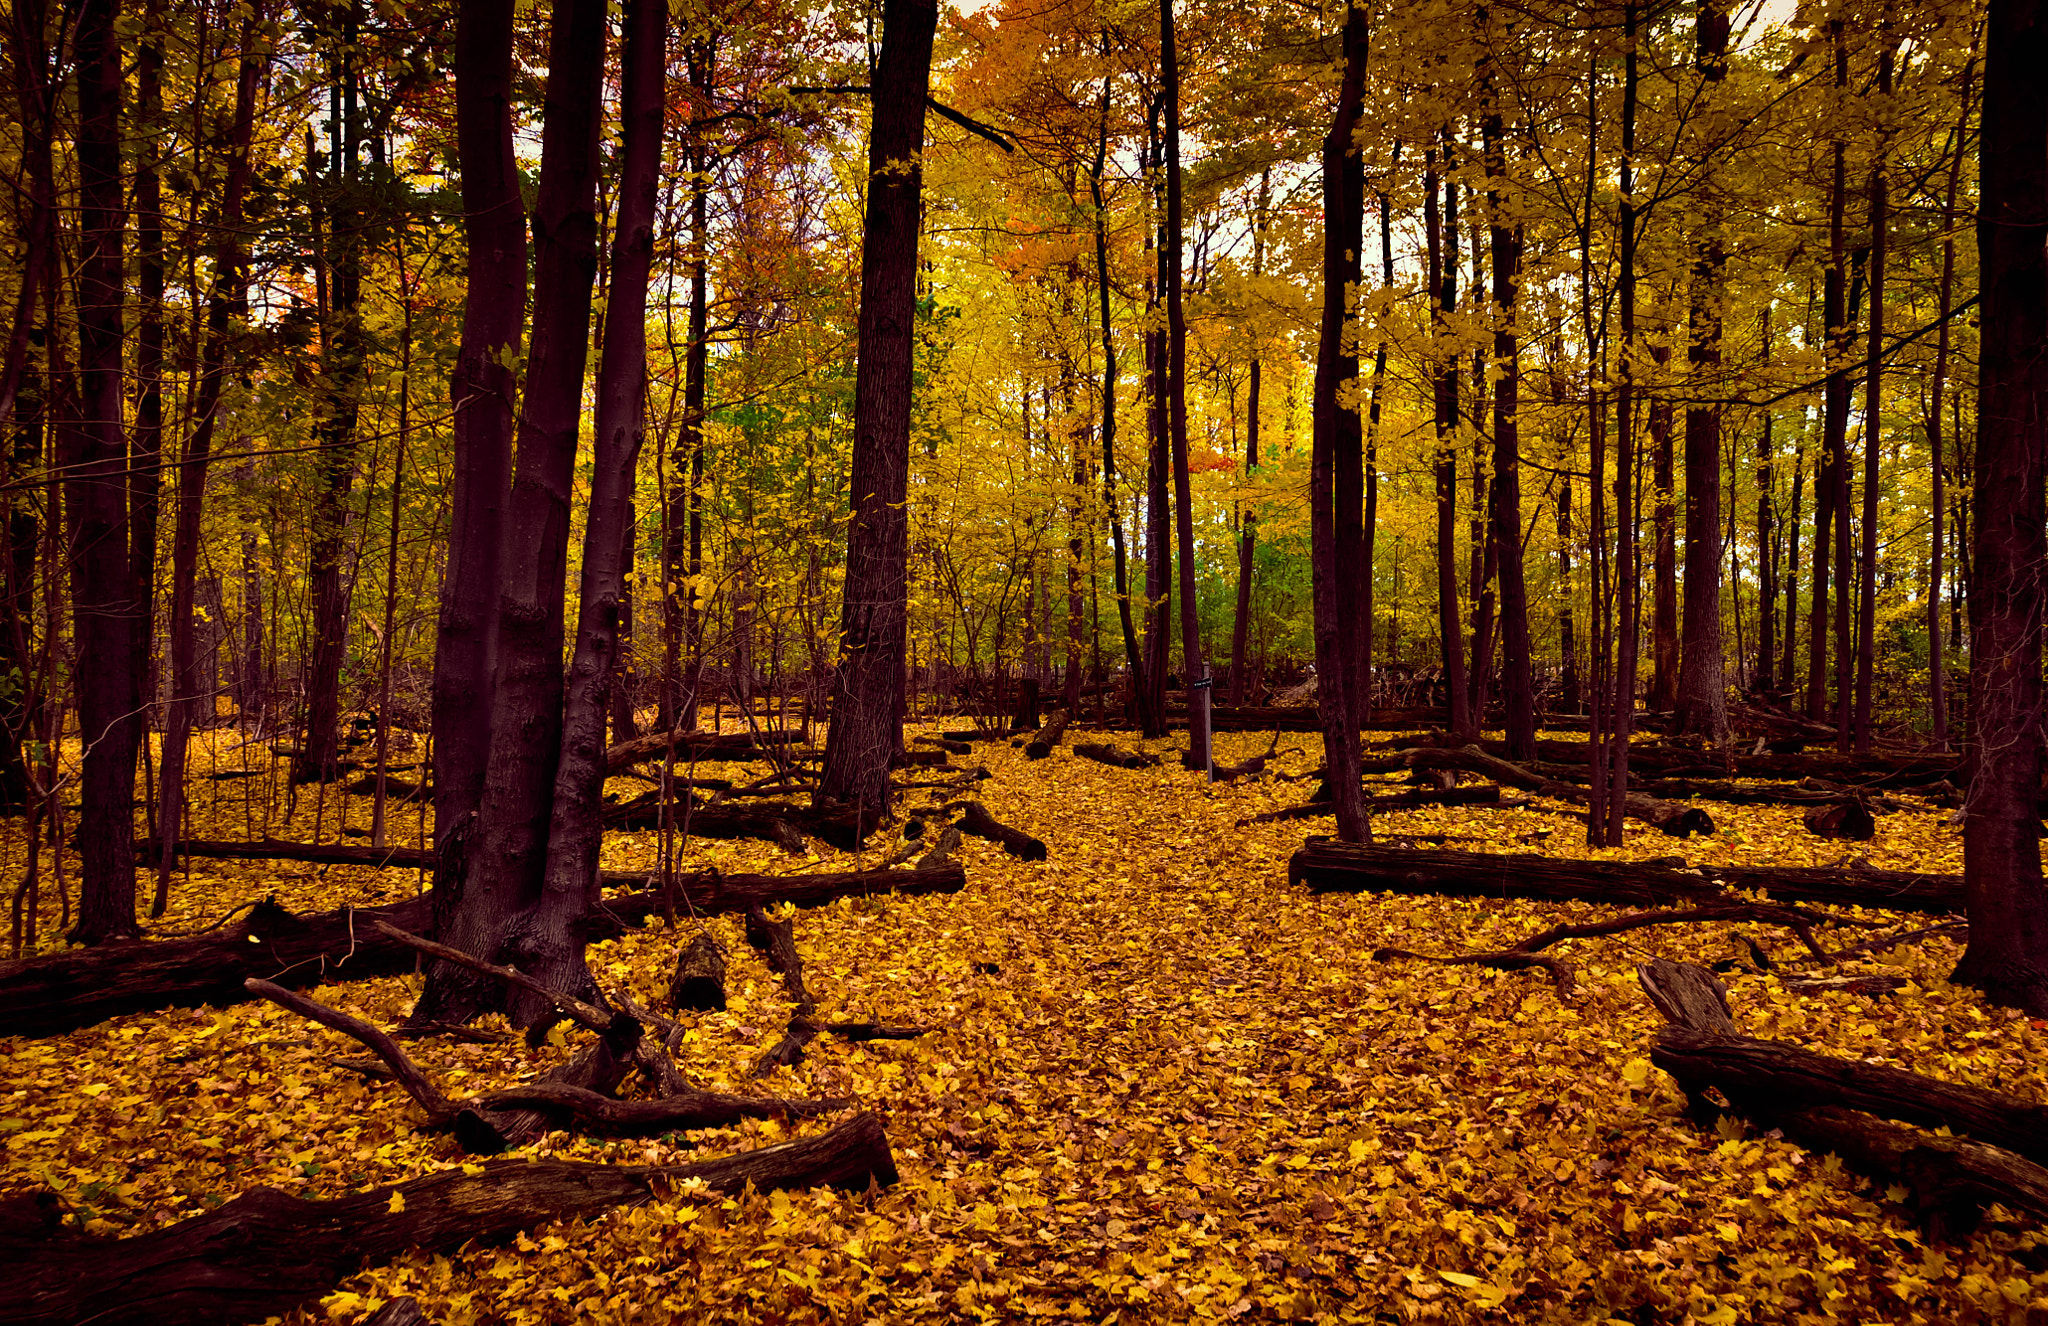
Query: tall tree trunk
point(1840, 316)
point(1623, 697)
point(546, 941)
point(2008, 905)
point(1788, 658)
point(1663, 692)
point(1335, 446)
point(1518, 683)
point(506, 855)
point(1248, 534)
point(1702, 684)
point(483, 390)
point(1767, 551)
point(1120, 558)
point(1873, 420)
point(1441, 228)
point(1937, 663)
point(344, 360)
point(865, 732)
point(227, 298)
point(145, 458)
point(109, 609)
point(1194, 668)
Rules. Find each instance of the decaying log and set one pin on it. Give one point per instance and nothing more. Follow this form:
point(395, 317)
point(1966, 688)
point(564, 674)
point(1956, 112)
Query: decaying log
point(58, 992)
point(946, 744)
point(1529, 952)
point(1680, 821)
point(401, 1311)
point(782, 823)
point(977, 821)
point(1827, 1105)
point(585, 1111)
point(776, 941)
point(1409, 799)
point(1115, 756)
point(266, 1252)
point(1048, 737)
point(699, 982)
point(789, 1050)
point(698, 746)
point(1328, 866)
point(274, 849)
point(1849, 819)
point(875, 1031)
point(1872, 984)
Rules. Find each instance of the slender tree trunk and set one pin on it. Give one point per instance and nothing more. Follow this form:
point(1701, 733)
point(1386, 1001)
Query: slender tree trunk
point(1120, 558)
point(1518, 684)
point(344, 360)
point(1248, 534)
point(108, 606)
point(2008, 905)
point(228, 297)
point(1663, 693)
point(482, 389)
point(865, 731)
point(1937, 663)
point(1702, 681)
point(1441, 228)
point(1788, 672)
point(506, 855)
point(1336, 445)
point(1624, 688)
point(1767, 552)
point(1873, 423)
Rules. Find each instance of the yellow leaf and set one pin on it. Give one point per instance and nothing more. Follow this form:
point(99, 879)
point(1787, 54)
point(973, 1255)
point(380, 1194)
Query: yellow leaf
point(397, 1203)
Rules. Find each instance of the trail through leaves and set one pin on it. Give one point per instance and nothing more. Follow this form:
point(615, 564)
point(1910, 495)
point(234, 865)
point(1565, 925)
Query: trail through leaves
point(1163, 1085)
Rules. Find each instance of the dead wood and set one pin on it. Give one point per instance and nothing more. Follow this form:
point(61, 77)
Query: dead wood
point(1048, 737)
point(58, 992)
point(584, 1111)
point(1827, 1105)
point(942, 850)
point(1328, 866)
point(946, 744)
point(699, 982)
point(1115, 756)
point(776, 941)
point(1473, 795)
point(1680, 821)
point(401, 1311)
point(1849, 819)
point(977, 821)
point(266, 1252)
point(789, 1050)
point(699, 747)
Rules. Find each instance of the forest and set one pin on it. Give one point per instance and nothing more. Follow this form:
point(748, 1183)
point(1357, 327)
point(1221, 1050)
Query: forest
point(725, 660)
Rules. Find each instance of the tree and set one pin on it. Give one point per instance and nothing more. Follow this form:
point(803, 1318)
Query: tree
point(868, 682)
point(2008, 902)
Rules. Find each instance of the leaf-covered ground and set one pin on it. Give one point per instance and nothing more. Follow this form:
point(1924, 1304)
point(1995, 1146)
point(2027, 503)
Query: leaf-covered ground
point(1164, 1085)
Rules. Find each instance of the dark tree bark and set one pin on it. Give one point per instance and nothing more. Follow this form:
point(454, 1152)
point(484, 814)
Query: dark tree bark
point(1873, 425)
point(683, 549)
point(1937, 662)
point(1441, 229)
point(1662, 696)
point(1612, 790)
point(1194, 669)
point(507, 851)
point(1518, 684)
point(482, 389)
point(1335, 460)
point(227, 298)
point(1248, 533)
point(109, 608)
point(1702, 684)
point(865, 729)
point(344, 362)
point(1831, 491)
point(2008, 904)
point(546, 941)
point(1120, 558)
point(1768, 552)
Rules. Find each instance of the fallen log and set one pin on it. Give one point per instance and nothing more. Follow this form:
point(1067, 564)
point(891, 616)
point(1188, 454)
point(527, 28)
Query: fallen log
point(1048, 738)
point(1471, 795)
point(1827, 1105)
point(1849, 819)
point(782, 823)
point(789, 1050)
point(266, 1252)
point(1680, 821)
point(776, 941)
point(59, 992)
point(1016, 842)
point(698, 746)
point(1328, 866)
point(1115, 756)
point(946, 744)
point(699, 982)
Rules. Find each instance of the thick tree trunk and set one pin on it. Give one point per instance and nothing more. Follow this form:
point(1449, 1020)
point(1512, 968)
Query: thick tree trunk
point(507, 850)
point(2008, 903)
point(482, 389)
point(1335, 474)
point(109, 608)
point(865, 729)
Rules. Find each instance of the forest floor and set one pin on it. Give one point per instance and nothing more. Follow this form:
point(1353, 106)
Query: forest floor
point(1162, 1084)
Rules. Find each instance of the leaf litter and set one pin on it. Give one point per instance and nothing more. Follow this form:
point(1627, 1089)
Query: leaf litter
point(1161, 1085)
